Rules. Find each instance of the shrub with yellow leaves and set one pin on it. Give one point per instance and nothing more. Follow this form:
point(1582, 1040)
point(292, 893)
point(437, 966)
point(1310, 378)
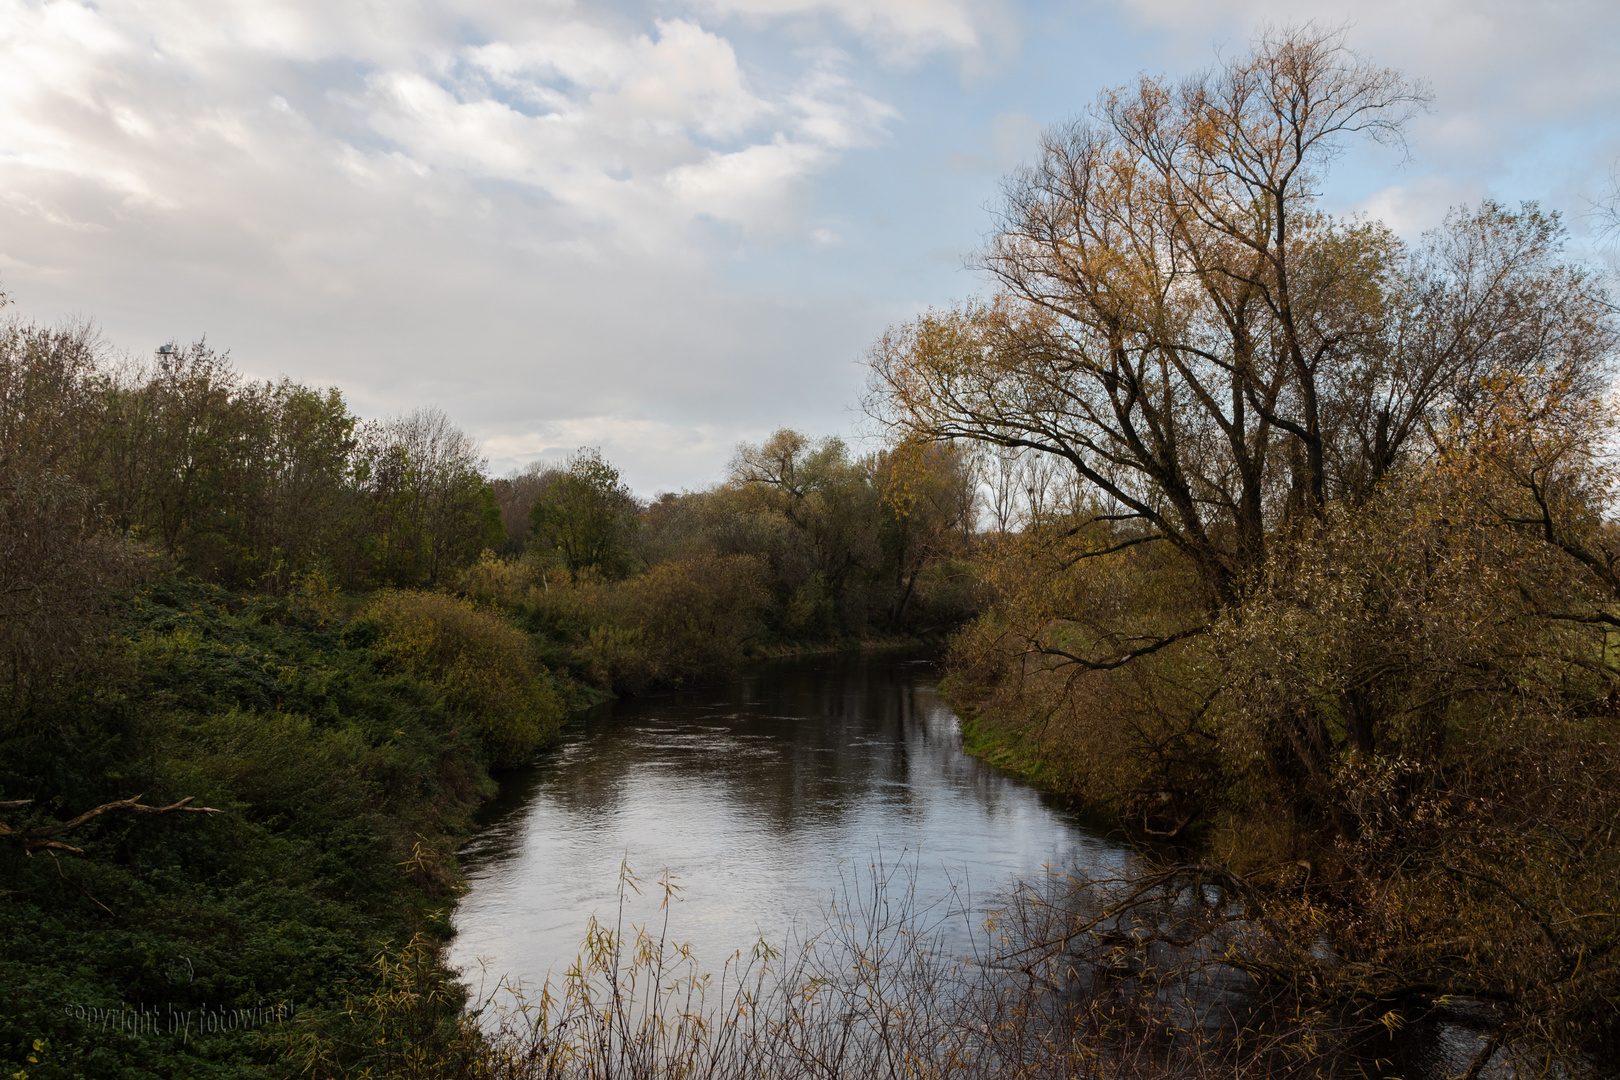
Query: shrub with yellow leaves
point(484, 665)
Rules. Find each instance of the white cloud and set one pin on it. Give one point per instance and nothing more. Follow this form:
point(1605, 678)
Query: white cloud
point(508, 210)
point(1413, 208)
point(1012, 139)
point(688, 454)
point(640, 133)
point(904, 31)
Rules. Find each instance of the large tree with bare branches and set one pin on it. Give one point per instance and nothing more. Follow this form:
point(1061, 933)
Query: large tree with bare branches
point(1211, 356)
point(1334, 583)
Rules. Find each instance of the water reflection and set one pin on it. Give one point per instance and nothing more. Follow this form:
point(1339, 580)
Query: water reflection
point(755, 795)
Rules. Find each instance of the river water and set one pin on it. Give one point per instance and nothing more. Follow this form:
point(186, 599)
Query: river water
point(759, 797)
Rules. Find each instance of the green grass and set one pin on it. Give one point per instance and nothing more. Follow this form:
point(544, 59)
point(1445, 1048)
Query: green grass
point(346, 785)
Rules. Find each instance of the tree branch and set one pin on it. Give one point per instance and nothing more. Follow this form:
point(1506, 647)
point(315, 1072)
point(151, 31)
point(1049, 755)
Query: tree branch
point(39, 837)
point(1126, 657)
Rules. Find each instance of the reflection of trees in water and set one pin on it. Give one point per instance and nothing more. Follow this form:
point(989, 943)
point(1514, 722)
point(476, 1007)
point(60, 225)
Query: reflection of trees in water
point(785, 745)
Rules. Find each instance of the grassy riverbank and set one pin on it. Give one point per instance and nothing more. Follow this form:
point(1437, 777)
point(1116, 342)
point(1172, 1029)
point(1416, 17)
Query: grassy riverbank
point(344, 779)
point(1005, 749)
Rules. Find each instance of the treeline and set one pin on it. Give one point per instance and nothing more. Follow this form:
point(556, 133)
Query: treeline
point(803, 545)
point(247, 485)
point(255, 486)
point(1323, 599)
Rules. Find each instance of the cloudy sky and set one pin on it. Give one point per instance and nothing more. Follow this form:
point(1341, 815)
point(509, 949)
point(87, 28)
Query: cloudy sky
point(658, 227)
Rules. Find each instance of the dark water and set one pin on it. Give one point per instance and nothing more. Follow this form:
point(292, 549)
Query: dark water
point(759, 796)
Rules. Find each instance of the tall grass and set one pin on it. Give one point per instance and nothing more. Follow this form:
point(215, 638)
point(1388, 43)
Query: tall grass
point(1149, 977)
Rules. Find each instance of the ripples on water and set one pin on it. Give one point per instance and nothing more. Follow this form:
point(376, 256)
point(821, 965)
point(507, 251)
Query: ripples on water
point(758, 796)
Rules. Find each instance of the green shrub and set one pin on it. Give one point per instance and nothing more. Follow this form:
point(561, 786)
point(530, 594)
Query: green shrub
point(484, 665)
point(681, 620)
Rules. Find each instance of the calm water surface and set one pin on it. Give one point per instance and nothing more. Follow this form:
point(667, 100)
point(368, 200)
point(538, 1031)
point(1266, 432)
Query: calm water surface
point(760, 796)
point(756, 796)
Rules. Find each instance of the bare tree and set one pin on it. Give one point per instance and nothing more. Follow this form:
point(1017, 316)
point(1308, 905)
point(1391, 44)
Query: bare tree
point(432, 506)
point(56, 561)
point(517, 493)
point(1171, 302)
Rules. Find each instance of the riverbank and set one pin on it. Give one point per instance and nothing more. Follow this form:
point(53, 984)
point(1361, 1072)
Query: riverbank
point(342, 781)
point(347, 743)
point(1007, 751)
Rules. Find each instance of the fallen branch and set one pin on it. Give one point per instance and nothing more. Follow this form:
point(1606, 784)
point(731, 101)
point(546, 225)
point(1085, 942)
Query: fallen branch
point(39, 837)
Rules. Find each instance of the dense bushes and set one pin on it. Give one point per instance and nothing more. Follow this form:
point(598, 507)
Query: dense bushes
point(346, 782)
point(681, 620)
point(483, 664)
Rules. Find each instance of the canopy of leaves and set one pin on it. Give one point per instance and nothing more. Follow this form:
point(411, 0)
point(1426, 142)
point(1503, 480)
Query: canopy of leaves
point(588, 516)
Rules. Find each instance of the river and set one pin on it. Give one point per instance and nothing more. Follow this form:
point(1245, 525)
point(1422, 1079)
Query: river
point(759, 797)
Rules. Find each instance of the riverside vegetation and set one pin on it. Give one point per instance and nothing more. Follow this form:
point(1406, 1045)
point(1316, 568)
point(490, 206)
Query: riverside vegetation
point(1325, 604)
point(260, 658)
point(1300, 564)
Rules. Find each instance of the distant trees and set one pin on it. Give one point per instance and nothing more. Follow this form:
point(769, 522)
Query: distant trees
point(246, 484)
point(930, 497)
point(829, 506)
point(241, 482)
point(849, 539)
point(588, 515)
point(516, 495)
point(804, 542)
point(110, 469)
point(429, 505)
